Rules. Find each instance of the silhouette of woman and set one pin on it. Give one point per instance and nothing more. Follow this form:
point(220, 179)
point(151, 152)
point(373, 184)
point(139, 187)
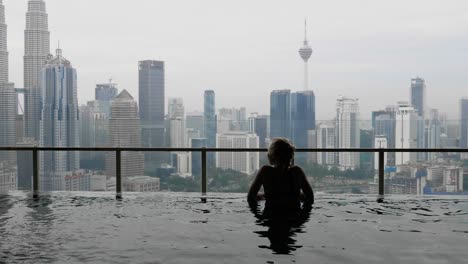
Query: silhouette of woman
point(284, 185)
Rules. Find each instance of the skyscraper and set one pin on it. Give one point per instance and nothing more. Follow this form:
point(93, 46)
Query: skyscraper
point(303, 116)
point(7, 97)
point(464, 123)
point(3, 46)
point(125, 131)
point(36, 54)
point(59, 121)
point(258, 124)
point(418, 95)
point(326, 139)
point(210, 118)
point(280, 114)
point(406, 132)
point(105, 91)
point(305, 52)
point(347, 125)
point(152, 102)
point(210, 123)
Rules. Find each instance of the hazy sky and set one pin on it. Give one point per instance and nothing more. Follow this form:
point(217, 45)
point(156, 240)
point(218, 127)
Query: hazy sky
point(242, 49)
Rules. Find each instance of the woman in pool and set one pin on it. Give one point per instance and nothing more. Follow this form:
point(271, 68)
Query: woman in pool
point(284, 185)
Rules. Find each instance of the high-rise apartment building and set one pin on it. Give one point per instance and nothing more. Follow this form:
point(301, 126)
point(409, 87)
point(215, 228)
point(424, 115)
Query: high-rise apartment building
point(406, 132)
point(280, 114)
point(348, 131)
point(125, 131)
point(36, 55)
point(418, 95)
point(59, 121)
point(152, 102)
point(325, 136)
point(464, 123)
point(246, 162)
point(303, 116)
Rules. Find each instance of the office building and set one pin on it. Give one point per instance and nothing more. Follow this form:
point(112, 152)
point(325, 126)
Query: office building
point(36, 54)
point(152, 103)
point(303, 116)
point(7, 122)
point(59, 121)
point(7, 178)
point(280, 114)
point(105, 91)
point(418, 95)
point(125, 131)
point(210, 118)
point(246, 162)
point(348, 131)
point(258, 124)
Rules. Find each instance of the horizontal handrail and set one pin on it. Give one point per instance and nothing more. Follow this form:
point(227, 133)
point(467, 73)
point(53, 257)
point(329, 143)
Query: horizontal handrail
point(203, 151)
point(131, 149)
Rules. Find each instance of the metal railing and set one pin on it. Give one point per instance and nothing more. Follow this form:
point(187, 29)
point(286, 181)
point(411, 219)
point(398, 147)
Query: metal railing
point(118, 154)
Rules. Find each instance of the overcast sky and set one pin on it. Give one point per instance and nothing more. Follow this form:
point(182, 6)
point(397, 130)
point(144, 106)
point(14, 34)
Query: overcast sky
point(243, 49)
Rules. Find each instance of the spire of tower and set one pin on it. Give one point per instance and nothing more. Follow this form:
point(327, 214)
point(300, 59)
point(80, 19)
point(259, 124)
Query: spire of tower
point(305, 30)
point(59, 50)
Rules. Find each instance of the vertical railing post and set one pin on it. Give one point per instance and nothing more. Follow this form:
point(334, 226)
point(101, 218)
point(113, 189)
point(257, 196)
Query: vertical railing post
point(203, 176)
point(118, 173)
point(35, 173)
point(381, 173)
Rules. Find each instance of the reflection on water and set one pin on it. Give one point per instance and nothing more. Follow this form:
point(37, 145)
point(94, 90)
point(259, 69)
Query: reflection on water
point(282, 227)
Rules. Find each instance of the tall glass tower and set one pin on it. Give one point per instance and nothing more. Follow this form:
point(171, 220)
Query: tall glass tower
point(303, 116)
point(210, 118)
point(151, 88)
point(7, 96)
point(59, 122)
point(36, 54)
point(280, 114)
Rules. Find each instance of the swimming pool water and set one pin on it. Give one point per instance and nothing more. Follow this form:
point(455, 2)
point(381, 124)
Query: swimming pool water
point(180, 228)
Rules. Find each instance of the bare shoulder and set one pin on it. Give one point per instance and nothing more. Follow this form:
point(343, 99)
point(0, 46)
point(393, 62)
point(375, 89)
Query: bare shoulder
point(296, 170)
point(265, 169)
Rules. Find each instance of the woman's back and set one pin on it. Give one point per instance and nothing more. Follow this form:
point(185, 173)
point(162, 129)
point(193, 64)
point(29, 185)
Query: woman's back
point(282, 187)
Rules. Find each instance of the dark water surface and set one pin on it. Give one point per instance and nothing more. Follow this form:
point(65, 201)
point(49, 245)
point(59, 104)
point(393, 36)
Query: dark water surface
point(179, 228)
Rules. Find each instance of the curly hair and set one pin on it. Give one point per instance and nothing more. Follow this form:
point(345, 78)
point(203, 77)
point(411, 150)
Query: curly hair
point(281, 152)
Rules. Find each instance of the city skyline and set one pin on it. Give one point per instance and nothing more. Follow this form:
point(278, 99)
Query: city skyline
point(370, 67)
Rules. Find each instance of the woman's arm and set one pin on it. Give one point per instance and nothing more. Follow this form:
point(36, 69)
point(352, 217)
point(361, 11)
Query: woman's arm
point(256, 185)
point(307, 193)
